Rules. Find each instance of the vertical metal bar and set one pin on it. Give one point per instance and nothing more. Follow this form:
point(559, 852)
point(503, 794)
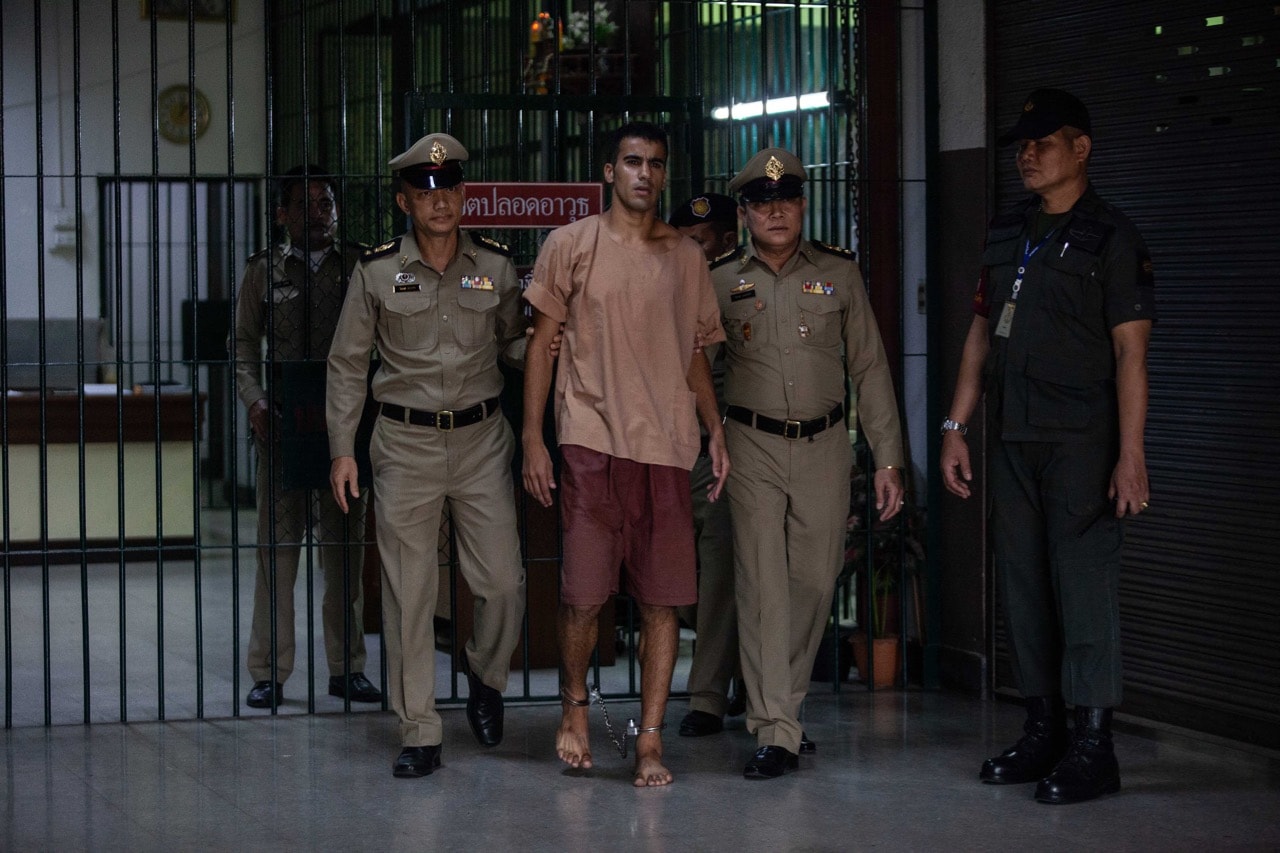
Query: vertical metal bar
point(118, 311)
point(305, 65)
point(82, 497)
point(4, 422)
point(154, 356)
point(43, 452)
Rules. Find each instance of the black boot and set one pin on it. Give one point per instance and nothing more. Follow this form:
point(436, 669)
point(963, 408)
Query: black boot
point(1038, 751)
point(1089, 769)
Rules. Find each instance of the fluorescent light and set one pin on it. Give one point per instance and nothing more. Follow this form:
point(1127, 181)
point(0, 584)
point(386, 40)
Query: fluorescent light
point(752, 109)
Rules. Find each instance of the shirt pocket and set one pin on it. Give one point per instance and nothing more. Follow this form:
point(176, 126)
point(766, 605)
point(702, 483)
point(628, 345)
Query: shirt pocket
point(821, 315)
point(477, 312)
point(411, 320)
point(1073, 287)
point(283, 317)
point(1064, 394)
point(745, 325)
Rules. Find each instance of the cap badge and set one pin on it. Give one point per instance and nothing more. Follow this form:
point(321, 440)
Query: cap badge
point(700, 206)
point(774, 168)
point(1028, 106)
point(438, 154)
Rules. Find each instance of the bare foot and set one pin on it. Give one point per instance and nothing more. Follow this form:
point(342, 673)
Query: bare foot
point(572, 738)
point(650, 771)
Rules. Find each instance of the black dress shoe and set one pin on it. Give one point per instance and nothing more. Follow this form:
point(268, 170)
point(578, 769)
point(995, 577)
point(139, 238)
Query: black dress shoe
point(770, 762)
point(416, 761)
point(264, 694)
point(700, 723)
point(355, 687)
point(484, 709)
point(807, 747)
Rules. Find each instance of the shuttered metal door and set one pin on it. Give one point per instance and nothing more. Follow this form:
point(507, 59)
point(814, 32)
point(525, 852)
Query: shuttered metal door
point(1185, 98)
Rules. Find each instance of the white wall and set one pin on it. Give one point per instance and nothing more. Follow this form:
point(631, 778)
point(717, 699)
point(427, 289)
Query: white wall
point(45, 145)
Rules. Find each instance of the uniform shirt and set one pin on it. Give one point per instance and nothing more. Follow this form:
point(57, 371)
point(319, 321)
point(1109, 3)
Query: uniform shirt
point(632, 316)
point(299, 319)
point(439, 335)
point(793, 337)
point(1053, 377)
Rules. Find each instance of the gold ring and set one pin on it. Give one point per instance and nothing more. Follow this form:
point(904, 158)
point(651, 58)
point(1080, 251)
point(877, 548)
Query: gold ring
point(1144, 504)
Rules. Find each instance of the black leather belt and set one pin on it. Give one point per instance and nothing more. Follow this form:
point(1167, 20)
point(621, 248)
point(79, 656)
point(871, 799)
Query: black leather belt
point(787, 429)
point(443, 421)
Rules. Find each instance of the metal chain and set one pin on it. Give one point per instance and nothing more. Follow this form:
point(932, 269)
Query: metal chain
point(620, 745)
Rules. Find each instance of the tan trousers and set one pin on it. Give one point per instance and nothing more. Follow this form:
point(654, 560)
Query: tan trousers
point(715, 616)
point(341, 566)
point(789, 501)
point(415, 470)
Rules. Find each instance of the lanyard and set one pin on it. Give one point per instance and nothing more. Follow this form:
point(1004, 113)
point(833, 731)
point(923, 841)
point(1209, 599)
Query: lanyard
point(1028, 252)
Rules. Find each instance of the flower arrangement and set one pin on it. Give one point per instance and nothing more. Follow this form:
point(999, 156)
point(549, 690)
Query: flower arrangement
point(579, 29)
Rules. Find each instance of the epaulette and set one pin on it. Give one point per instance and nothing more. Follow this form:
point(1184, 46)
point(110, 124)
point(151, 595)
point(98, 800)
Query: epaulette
point(847, 254)
point(355, 248)
point(261, 253)
point(388, 248)
point(726, 257)
point(490, 244)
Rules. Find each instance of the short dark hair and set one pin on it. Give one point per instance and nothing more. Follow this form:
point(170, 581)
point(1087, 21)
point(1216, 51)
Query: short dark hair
point(635, 130)
point(298, 176)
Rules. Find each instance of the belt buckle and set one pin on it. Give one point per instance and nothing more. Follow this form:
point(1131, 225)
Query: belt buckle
point(786, 430)
point(440, 421)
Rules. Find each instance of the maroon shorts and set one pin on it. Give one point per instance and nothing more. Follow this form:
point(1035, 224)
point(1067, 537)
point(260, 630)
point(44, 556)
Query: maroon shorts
point(617, 511)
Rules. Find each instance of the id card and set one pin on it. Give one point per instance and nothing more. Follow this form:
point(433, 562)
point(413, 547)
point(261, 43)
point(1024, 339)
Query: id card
point(1006, 320)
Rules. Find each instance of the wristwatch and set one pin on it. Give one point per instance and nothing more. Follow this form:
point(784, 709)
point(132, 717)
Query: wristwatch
point(948, 425)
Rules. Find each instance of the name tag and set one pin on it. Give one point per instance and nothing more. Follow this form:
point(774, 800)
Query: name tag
point(477, 282)
point(1006, 320)
point(742, 290)
point(822, 288)
point(408, 288)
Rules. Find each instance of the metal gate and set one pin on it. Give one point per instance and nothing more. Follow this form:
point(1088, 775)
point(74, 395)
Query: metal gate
point(137, 180)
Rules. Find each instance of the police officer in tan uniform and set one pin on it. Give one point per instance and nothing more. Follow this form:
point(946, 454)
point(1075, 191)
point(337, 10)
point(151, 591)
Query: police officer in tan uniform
point(290, 296)
point(441, 305)
point(798, 323)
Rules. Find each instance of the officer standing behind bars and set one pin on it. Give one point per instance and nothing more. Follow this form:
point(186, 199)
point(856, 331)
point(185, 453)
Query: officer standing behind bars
point(441, 306)
point(1069, 280)
point(798, 322)
point(711, 220)
point(291, 296)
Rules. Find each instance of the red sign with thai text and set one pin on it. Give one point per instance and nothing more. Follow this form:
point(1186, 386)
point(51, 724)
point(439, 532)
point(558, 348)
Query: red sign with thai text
point(520, 205)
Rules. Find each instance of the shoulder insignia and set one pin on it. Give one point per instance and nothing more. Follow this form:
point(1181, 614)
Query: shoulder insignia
point(847, 254)
point(490, 244)
point(388, 248)
point(259, 255)
point(726, 257)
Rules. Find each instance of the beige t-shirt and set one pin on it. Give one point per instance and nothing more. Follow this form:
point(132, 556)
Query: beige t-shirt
point(631, 316)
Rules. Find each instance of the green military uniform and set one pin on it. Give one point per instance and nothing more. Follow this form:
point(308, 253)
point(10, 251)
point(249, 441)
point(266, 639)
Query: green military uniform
point(792, 339)
point(439, 336)
point(295, 309)
point(1050, 381)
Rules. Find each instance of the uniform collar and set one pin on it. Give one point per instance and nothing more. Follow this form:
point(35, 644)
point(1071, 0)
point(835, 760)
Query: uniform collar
point(804, 253)
point(409, 249)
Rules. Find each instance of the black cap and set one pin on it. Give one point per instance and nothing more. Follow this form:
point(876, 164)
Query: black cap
point(1045, 111)
point(708, 207)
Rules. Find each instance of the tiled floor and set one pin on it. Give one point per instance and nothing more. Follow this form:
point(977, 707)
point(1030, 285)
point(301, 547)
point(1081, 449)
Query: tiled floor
point(894, 770)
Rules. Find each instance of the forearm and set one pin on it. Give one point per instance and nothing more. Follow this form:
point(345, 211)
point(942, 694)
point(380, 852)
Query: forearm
point(1132, 393)
point(700, 383)
point(969, 379)
point(537, 376)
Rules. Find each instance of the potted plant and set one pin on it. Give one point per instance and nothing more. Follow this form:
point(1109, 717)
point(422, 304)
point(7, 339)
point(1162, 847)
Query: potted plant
point(880, 561)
